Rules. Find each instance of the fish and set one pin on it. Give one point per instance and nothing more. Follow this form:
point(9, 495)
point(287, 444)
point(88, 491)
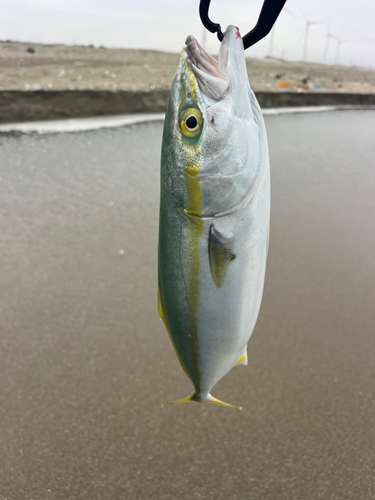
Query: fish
point(214, 213)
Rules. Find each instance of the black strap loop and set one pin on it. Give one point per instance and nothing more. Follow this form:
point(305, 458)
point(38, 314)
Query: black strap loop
point(267, 18)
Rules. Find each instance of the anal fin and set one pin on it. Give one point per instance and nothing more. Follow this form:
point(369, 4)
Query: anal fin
point(243, 358)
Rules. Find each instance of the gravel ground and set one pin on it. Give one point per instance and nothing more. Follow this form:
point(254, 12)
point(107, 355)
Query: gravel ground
point(60, 67)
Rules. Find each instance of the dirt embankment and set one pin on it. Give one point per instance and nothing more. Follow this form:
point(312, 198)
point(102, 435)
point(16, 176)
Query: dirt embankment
point(54, 81)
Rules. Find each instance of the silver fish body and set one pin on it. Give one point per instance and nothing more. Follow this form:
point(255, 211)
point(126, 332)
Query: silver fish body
point(214, 213)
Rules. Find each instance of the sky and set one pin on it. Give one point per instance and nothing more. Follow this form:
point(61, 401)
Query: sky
point(164, 25)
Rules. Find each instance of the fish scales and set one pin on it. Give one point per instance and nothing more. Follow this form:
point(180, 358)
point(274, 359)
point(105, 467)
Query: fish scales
point(214, 213)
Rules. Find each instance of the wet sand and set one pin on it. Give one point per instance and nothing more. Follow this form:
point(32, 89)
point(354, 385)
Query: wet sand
point(85, 361)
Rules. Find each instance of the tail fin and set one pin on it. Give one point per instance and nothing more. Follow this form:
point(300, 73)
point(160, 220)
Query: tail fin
point(222, 403)
point(210, 399)
point(183, 400)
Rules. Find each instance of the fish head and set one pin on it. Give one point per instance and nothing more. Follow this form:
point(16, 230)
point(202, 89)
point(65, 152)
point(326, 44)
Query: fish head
point(213, 130)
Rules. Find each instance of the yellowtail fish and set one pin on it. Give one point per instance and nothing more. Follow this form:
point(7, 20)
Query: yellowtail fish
point(214, 213)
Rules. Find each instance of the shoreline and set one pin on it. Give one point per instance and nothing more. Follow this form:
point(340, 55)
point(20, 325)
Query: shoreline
point(83, 124)
point(24, 106)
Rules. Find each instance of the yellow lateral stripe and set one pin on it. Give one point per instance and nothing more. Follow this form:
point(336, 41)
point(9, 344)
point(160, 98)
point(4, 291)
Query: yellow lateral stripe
point(194, 192)
point(195, 231)
point(193, 207)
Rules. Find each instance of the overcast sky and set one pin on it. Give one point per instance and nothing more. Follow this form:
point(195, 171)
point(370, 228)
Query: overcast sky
point(164, 25)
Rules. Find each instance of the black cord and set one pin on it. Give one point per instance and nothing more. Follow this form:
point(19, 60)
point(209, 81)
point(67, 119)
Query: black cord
point(267, 18)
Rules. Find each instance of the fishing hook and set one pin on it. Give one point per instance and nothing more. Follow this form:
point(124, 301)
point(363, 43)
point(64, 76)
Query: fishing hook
point(267, 18)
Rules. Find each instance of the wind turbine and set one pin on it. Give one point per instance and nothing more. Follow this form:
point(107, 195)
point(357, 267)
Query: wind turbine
point(339, 43)
point(326, 47)
point(272, 39)
point(272, 34)
point(307, 32)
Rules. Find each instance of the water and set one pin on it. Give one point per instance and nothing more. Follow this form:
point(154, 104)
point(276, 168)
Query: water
point(85, 362)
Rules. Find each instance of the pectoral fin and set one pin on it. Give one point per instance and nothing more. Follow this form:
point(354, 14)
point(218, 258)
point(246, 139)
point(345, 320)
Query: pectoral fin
point(220, 250)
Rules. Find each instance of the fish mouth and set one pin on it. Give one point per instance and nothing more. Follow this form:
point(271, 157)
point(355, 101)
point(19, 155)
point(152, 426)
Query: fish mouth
point(212, 81)
point(200, 58)
point(226, 75)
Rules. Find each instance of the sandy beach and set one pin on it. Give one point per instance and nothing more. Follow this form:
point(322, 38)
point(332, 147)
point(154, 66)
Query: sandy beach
point(86, 362)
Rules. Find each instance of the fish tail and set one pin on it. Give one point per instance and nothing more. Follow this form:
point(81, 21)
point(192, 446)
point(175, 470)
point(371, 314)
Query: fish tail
point(193, 397)
point(216, 401)
point(207, 399)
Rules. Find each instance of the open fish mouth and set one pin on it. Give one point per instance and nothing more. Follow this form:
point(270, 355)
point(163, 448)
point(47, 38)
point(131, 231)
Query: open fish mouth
point(229, 142)
point(226, 75)
point(212, 80)
point(200, 58)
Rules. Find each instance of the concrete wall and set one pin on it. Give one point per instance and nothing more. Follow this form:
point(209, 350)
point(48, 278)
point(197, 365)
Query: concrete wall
point(16, 106)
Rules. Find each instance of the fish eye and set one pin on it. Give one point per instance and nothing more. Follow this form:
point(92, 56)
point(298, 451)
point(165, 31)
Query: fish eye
point(191, 122)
